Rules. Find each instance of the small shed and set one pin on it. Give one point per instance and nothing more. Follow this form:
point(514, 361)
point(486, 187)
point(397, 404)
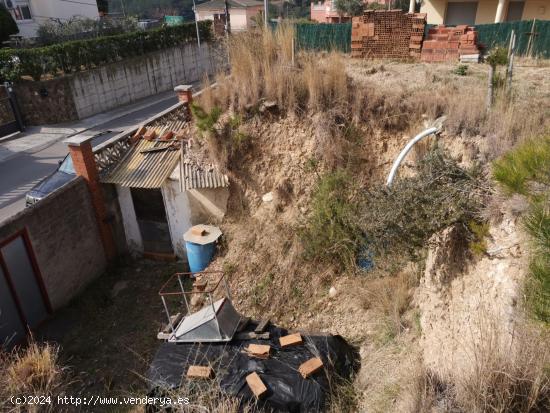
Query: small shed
point(161, 192)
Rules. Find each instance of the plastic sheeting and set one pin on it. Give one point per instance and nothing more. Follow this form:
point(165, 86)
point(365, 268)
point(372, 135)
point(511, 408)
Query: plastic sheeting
point(288, 391)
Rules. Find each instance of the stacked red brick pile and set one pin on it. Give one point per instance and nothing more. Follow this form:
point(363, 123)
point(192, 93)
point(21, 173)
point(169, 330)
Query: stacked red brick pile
point(387, 34)
point(449, 43)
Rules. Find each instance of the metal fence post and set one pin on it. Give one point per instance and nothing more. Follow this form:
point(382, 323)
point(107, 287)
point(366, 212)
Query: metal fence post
point(14, 105)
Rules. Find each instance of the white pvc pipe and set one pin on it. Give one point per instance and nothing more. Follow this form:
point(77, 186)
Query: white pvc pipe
point(405, 151)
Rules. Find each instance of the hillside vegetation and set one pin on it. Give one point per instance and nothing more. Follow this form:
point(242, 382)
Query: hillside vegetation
point(319, 133)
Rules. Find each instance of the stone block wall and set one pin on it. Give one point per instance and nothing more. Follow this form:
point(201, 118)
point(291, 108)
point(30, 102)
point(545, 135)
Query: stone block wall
point(46, 102)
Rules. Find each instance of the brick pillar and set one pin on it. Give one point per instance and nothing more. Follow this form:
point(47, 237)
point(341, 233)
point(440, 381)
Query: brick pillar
point(184, 93)
point(84, 165)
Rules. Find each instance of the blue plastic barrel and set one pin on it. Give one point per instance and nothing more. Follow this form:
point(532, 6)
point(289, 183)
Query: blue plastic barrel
point(199, 256)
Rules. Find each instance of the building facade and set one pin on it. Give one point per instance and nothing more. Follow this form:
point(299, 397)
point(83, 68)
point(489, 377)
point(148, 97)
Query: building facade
point(325, 12)
point(452, 13)
point(30, 14)
point(243, 14)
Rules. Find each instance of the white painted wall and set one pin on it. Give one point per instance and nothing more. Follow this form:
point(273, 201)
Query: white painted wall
point(240, 18)
point(178, 212)
point(46, 10)
point(131, 228)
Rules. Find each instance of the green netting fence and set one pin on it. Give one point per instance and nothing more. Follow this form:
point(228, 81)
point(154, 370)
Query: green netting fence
point(336, 36)
point(498, 34)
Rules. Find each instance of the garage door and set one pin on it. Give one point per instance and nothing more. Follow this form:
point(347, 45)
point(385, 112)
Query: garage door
point(461, 13)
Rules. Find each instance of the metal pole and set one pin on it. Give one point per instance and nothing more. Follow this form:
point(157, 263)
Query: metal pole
point(184, 297)
point(226, 287)
point(266, 12)
point(215, 315)
point(14, 106)
point(167, 313)
point(227, 22)
point(197, 25)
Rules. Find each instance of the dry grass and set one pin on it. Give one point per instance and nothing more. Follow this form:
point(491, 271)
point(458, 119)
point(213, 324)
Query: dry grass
point(30, 371)
point(390, 298)
point(262, 68)
point(499, 377)
point(511, 378)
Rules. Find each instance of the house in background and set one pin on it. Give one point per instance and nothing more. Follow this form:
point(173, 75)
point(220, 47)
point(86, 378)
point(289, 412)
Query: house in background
point(30, 14)
point(452, 13)
point(325, 12)
point(241, 12)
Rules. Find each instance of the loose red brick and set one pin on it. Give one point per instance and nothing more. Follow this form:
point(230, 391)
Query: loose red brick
point(150, 135)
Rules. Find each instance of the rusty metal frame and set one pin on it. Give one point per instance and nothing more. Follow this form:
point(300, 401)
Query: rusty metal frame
point(163, 293)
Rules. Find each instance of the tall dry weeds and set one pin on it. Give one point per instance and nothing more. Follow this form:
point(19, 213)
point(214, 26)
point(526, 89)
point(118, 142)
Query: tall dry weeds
point(30, 371)
point(500, 375)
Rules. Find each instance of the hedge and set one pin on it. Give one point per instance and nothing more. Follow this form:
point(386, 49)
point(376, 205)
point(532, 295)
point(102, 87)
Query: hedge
point(74, 56)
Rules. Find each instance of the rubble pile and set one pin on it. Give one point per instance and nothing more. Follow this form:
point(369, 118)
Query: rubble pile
point(444, 44)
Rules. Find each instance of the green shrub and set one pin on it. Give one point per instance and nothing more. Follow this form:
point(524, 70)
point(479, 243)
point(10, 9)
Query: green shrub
point(79, 55)
point(461, 70)
point(526, 164)
point(479, 232)
point(332, 234)
point(526, 171)
point(400, 220)
point(205, 121)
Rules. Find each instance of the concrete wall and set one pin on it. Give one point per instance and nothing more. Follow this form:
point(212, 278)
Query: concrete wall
point(208, 205)
point(486, 11)
point(117, 84)
point(435, 10)
point(84, 94)
point(131, 228)
point(536, 9)
point(65, 238)
point(178, 212)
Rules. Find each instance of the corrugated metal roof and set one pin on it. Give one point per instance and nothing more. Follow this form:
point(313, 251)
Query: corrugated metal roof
point(199, 178)
point(145, 170)
point(151, 169)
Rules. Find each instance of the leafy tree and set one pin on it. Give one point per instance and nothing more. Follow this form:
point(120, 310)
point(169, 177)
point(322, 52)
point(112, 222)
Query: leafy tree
point(7, 25)
point(349, 7)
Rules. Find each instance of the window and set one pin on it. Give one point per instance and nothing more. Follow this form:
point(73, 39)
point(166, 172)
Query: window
point(515, 11)
point(22, 12)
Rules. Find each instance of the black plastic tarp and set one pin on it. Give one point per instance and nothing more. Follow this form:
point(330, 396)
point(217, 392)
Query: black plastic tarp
point(288, 391)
